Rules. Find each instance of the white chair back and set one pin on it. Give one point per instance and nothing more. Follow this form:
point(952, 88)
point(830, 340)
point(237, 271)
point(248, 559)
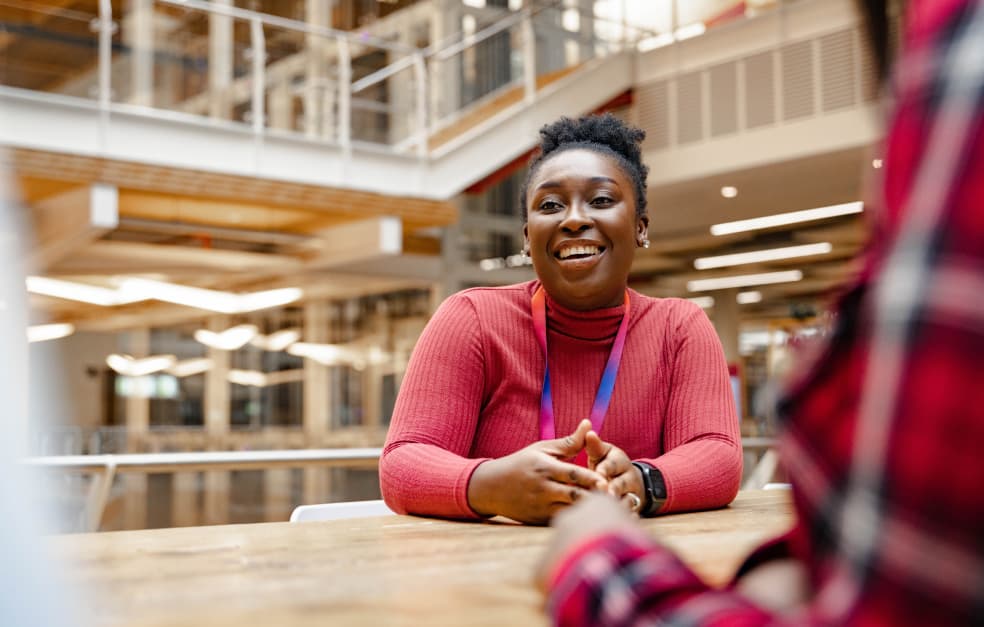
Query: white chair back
point(337, 511)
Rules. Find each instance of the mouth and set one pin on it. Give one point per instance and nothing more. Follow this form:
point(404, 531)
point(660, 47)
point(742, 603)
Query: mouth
point(578, 252)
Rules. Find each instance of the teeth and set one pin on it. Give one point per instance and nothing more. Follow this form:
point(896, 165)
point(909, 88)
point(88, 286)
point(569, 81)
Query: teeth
point(578, 250)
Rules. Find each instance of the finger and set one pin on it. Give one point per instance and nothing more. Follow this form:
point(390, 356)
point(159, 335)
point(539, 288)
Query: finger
point(562, 494)
point(572, 444)
point(596, 449)
point(631, 501)
point(571, 474)
point(616, 463)
point(617, 487)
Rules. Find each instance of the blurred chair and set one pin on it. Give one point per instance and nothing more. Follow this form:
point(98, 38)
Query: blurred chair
point(763, 472)
point(338, 511)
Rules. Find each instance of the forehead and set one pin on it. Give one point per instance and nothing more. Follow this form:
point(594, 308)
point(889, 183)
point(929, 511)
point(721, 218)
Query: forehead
point(579, 164)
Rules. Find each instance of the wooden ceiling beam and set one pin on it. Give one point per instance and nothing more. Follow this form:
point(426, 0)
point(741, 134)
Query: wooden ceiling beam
point(71, 220)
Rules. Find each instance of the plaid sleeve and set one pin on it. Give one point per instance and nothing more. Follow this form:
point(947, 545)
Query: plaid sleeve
point(627, 579)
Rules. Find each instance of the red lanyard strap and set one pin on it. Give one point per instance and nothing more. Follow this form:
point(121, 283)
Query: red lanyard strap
point(603, 398)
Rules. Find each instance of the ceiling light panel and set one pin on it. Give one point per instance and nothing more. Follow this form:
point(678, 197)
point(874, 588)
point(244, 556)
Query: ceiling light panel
point(780, 219)
point(744, 280)
point(757, 256)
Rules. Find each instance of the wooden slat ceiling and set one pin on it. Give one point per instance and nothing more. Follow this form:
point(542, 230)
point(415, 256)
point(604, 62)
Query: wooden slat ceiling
point(180, 193)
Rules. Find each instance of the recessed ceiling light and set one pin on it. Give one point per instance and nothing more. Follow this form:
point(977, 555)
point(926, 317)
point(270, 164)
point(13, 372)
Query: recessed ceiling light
point(228, 340)
point(780, 219)
point(744, 280)
point(130, 367)
point(729, 191)
point(756, 256)
point(749, 298)
point(45, 332)
point(877, 163)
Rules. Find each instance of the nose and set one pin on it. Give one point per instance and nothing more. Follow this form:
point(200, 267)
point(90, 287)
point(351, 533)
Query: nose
point(575, 218)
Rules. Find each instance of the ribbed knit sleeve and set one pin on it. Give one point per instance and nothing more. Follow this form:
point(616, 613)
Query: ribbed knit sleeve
point(423, 468)
point(702, 463)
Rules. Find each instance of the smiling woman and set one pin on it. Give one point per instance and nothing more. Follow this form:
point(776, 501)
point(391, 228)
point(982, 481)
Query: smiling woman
point(636, 387)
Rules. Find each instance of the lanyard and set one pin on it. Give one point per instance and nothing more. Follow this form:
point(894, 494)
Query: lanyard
point(604, 396)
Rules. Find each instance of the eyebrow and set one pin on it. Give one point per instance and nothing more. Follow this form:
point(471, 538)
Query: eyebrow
point(594, 180)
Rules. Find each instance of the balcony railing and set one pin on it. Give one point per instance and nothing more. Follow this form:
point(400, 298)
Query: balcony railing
point(195, 60)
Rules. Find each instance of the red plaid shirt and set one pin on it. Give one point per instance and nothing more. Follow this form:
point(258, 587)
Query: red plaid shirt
point(884, 439)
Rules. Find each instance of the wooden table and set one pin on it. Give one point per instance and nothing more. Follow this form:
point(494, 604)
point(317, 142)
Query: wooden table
point(392, 570)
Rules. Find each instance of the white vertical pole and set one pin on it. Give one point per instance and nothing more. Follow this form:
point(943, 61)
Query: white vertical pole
point(141, 40)
point(344, 94)
point(420, 80)
point(529, 57)
point(105, 53)
point(258, 44)
point(220, 63)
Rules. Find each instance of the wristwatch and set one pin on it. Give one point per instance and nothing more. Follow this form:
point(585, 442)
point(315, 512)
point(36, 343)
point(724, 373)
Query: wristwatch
point(654, 488)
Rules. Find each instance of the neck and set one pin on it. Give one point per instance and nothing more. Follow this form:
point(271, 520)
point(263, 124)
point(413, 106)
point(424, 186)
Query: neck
point(591, 303)
point(597, 323)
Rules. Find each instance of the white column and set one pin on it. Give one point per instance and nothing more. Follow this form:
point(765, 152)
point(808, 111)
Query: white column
point(217, 428)
point(316, 409)
point(137, 427)
point(276, 495)
point(445, 79)
point(220, 63)
point(319, 96)
point(726, 322)
point(282, 108)
point(140, 37)
point(184, 499)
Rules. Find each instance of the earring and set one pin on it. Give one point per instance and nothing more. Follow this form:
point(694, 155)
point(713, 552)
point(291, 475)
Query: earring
point(645, 243)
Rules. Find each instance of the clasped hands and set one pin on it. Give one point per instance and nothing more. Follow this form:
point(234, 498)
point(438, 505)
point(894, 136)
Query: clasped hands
point(534, 483)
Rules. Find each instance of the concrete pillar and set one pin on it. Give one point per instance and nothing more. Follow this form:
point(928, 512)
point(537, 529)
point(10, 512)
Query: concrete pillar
point(278, 499)
point(316, 408)
point(319, 93)
point(137, 428)
point(282, 108)
point(139, 36)
point(726, 322)
point(453, 252)
point(216, 510)
point(445, 83)
point(586, 33)
point(220, 64)
point(184, 499)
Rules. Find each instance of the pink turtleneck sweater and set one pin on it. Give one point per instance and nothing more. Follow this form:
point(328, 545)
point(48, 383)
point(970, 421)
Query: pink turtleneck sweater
point(472, 393)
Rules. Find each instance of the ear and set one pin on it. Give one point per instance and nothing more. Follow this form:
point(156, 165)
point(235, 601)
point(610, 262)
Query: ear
point(526, 236)
point(642, 229)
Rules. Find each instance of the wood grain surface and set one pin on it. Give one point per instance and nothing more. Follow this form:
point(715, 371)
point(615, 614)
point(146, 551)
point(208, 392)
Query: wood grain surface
point(392, 570)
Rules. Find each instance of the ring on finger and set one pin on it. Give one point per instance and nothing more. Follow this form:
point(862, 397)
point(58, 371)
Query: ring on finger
point(634, 500)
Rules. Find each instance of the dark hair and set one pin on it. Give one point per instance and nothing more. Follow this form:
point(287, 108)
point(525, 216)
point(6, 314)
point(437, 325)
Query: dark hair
point(876, 21)
point(604, 134)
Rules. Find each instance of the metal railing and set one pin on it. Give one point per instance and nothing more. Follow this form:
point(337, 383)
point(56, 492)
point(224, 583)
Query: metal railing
point(161, 62)
point(105, 467)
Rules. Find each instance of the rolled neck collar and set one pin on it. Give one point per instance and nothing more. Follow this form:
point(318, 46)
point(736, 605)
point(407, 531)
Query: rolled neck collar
point(592, 324)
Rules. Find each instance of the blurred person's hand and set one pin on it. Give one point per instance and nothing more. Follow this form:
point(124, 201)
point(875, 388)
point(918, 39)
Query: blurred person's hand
point(779, 585)
point(594, 515)
point(613, 464)
point(535, 482)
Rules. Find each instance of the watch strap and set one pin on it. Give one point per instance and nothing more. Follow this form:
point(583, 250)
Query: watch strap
point(654, 487)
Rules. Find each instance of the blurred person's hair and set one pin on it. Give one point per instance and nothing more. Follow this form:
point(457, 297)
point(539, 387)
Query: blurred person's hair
point(877, 18)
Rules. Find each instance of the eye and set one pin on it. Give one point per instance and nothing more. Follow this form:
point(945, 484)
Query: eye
point(549, 206)
point(603, 200)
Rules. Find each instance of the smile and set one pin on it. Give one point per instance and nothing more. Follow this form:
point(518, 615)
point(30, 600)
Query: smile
point(578, 252)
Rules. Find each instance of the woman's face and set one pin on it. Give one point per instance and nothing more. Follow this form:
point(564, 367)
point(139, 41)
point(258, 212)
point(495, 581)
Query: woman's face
point(581, 228)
